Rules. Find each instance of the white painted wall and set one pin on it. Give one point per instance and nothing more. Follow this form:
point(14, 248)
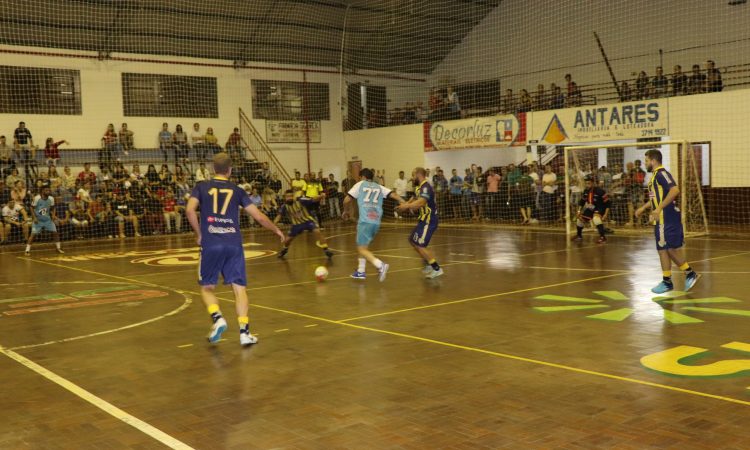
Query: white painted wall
point(551, 38)
point(101, 96)
point(391, 149)
point(484, 157)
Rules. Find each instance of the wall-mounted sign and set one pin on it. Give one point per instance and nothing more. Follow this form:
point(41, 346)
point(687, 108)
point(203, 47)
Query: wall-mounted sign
point(478, 132)
point(595, 123)
point(292, 131)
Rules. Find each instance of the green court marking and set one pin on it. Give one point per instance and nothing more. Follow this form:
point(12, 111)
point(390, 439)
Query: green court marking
point(562, 298)
point(611, 295)
point(690, 301)
point(728, 312)
point(617, 315)
point(679, 319)
point(37, 297)
point(568, 308)
point(89, 292)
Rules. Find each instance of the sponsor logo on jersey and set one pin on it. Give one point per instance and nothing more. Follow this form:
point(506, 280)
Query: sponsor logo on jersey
point(212, 219)
point(221, 230)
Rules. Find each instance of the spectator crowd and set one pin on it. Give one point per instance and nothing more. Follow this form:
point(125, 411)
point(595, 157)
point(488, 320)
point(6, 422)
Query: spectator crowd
point(115, 199)
point(525, 194)
point(444, 103)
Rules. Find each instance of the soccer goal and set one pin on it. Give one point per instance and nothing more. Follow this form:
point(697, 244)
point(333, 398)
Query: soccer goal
point(620, 170)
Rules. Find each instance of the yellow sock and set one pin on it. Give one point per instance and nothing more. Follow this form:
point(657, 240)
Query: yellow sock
point(323, 246)
point(432, 261)
point(667, 273)
point(685, 267)
point(213, 309)
point(243, 321)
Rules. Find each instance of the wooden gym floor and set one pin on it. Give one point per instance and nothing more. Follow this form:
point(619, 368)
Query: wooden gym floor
point(527, 342)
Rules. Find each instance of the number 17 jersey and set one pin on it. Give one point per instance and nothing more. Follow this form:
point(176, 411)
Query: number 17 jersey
point(370, 197)
point(220, 202)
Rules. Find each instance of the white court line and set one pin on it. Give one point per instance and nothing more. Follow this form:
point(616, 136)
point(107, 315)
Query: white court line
point(188, 301)
point(105, 406)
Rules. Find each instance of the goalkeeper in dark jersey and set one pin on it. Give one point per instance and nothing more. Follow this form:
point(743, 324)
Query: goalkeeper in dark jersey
point(593, 208)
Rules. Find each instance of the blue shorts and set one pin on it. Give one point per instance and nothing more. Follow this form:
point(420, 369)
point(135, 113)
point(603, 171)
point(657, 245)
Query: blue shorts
point(301, 228)
point(669, 236)
point(423, 233)
point(366, 232)
point(40, 226)
point(227, 260)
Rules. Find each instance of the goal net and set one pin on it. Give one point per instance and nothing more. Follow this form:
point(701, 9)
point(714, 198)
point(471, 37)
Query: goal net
point(620, 171)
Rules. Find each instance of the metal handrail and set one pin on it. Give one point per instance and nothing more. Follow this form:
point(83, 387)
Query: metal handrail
point(245, 121)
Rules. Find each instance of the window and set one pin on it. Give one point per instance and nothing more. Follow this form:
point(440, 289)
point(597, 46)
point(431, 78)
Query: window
point(31, 90)
point(149, 95)
point(290, 100)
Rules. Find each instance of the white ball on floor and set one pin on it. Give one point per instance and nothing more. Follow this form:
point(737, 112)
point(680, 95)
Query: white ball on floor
point(321, 273)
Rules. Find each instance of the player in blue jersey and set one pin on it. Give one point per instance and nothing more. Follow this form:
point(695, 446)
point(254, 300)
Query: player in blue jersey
point(370, 197)
point(424, 202)
point(667, 219)
point(41, 212)
point(296, 212)
point(218, 235)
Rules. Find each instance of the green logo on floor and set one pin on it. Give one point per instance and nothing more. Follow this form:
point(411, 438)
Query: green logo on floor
point(611, 300)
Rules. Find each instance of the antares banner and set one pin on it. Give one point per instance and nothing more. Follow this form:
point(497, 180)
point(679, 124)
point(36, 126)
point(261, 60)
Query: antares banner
point(292, 131)
point(633, 120)
point(479, 132)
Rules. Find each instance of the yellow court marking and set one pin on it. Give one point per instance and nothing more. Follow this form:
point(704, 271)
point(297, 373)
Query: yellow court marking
point(105, 406)
point(312, 325)
point(505, 355)
point(281, 330)
point(451, 345)
point(184, 346)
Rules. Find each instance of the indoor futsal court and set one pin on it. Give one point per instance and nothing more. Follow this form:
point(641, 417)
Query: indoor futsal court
point(529, 341)
point(374, 224)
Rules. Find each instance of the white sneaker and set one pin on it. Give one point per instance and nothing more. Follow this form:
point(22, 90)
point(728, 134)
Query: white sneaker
point(60, 251)
point(217, 329)
point(383, 271)
point(427, 269)
point(434, 274)
point(248, 339)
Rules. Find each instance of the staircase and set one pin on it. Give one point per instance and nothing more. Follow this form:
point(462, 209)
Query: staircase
point(254, 144)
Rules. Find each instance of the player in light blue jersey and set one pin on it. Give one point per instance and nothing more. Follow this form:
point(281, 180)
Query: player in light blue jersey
point(370, 197)
point(41, 211)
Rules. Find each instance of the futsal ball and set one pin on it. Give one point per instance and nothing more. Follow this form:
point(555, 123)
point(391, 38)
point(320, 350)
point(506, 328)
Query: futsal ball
point(321, 273)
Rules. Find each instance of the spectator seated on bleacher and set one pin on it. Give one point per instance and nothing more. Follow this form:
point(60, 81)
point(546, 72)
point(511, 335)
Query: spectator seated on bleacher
point(165, 141)
point(714, 82)
point(212, 142)
point(198, 142)
point(125, 137)
point(180, 144)
point(234, 144)
point(111, 147)
point(7, 163)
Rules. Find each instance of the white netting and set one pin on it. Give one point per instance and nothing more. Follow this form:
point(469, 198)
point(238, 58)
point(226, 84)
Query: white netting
point(299, 79)
point(626, 185)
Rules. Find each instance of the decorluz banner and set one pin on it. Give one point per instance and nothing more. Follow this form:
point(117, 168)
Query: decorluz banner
point(478, 132)
point(595, 123)
point(292, 131)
